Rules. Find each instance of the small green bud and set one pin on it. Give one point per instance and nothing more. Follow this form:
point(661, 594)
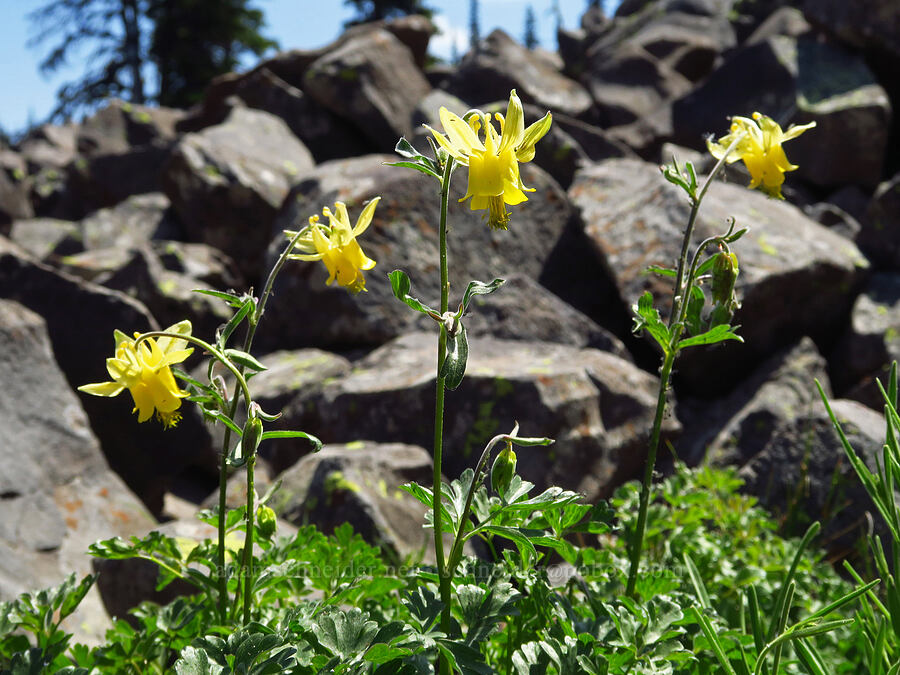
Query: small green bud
point(503, 469)
point(721, 315)
point(265, 522)
point(724, 274)
point(251, 436)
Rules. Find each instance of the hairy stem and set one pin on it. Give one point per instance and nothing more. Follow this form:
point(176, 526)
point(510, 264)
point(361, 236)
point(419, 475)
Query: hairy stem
point(445, 579)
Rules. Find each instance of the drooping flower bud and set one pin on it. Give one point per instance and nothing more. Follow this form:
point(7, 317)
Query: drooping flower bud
point(724, 274)
point(503, 469)
point(251, 436)
point(265, 522)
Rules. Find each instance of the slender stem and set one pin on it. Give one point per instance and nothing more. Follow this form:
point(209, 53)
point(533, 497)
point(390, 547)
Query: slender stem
point(676, 318)
point(637, 543)
point(444, 578)
point(247, 571)
point(696, 200)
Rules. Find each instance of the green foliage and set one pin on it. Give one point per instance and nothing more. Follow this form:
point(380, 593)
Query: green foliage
point(375, 10)
point(194, 42)
point(720, 587)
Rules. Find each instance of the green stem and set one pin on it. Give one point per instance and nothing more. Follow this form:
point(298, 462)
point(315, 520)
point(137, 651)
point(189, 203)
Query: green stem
point(679, 301)
point(445, 579)
point(247, 571)
point(638, 543)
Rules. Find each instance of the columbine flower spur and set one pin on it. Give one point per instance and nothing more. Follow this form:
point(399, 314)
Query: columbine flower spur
point(760, 149)
point(336, 245)
point(493, 163)
point(144, 370)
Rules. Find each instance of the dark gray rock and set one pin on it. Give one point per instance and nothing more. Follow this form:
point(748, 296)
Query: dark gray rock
point(359, 483)
point(864, 24)
point(404, 235)
point(373, 82)
point(131, 222)
point(803, 474)
point(81, 318)
point(598, 407)
point(325, 134)
point(879, 237)
point(796, 277)
point(871, 340)
point(43, 237)
point(103, 180)
point(227, 182)
point(797, 81)
point(120, 126)
point(732, 430)
point(524, 310)
point(500, 64)
point(57, 493)
point(14, 202)
point(49, 146)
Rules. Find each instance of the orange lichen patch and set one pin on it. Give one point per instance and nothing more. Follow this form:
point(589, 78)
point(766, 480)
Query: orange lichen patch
point(73, 505)
point(103, 492)
point(121, 515)
point(72, 523)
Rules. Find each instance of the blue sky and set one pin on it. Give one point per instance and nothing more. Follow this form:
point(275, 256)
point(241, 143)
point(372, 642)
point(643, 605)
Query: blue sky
point(293, 23)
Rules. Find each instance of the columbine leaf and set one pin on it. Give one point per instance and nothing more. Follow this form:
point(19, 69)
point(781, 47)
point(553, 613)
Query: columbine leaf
point(648, 319)
point(418, 166)
point(232, 299)
point(717, 334)
point(244, 359)
point(514, 534)
point(479, 288)
point(400, 286)
point(317, 444)
point(454, 367)
point(344, 633)
point(225, 331)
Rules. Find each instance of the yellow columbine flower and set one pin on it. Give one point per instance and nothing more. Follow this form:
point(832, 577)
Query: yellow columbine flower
point(494, 179)
point(336, 245)
point(760, 148)
point(144, 371)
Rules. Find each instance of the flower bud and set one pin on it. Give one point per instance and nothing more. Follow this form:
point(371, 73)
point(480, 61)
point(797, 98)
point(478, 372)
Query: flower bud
point(724, 274)
point(251, 436)
point(503, 469)
point(265, 522)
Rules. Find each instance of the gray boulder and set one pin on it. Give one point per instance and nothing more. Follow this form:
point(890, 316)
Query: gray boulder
point(81, 318)
point(871, 340)
point(796, 277)
point(326, 135)
point(404, 235)
point(371, 81)
point(57, 493)
point(733, 429)
point(879, 237)
point(359, 483)
point(120, 126)
point(131, 222)
point(227, 182)
point(43, 237)
point(597, 406)
point(500, 64)
point(802, 474)
point(865, 24)
point(798, 80)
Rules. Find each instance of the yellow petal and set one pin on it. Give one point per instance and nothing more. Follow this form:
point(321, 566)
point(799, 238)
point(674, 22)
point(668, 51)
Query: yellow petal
point(460, 134)
point(102, 388)
point(365, 217)
point(531, 135)
point(514, 123)
point(444, 143)
point(796, 129)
